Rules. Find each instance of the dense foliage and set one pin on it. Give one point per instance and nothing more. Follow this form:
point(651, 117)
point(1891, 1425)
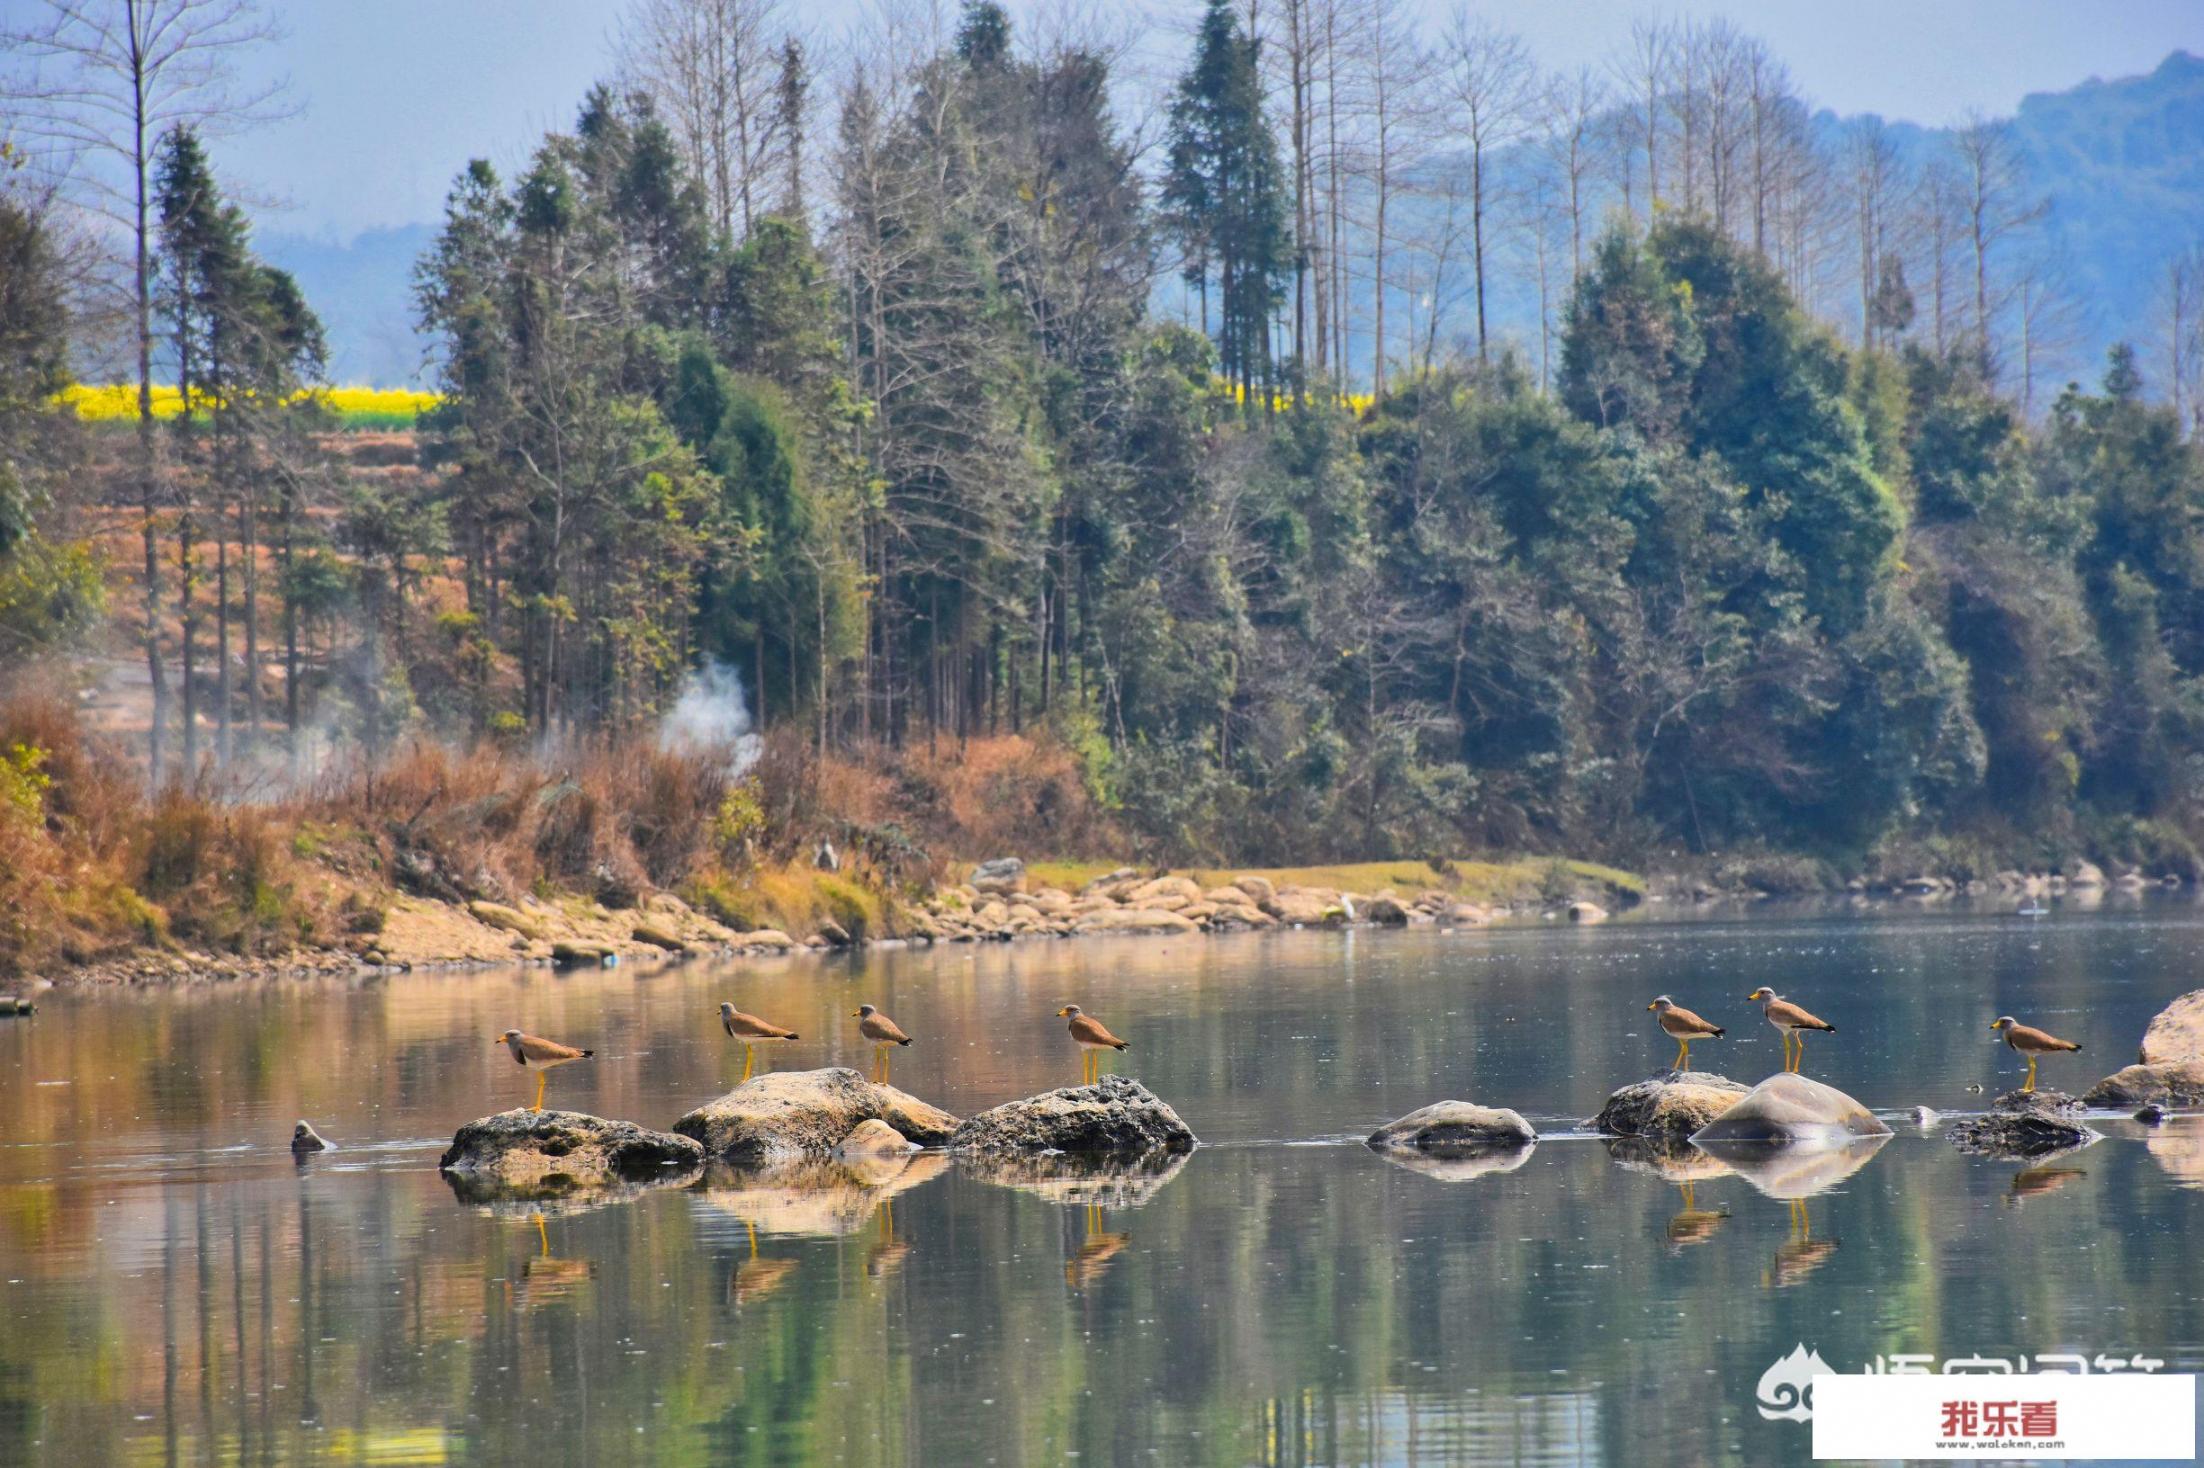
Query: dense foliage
point(1730, 586)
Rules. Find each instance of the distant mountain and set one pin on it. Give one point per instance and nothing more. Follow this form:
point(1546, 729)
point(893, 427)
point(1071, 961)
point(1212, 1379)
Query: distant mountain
point(364, 293)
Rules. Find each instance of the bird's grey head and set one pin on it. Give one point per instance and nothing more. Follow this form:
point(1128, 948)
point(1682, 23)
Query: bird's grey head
point(1072, 1011)
point(1661, 1001)
point(1763, 992)
point(510, 1036)
point(725, 1008)
point(2003, 1022)
point(866, 1011)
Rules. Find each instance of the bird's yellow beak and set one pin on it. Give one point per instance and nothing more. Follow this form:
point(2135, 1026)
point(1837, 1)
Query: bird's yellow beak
point(497, 1039)
point(1649, 1006)
point(1064, 1011)
point(1995, 1025)
point(857, 1014)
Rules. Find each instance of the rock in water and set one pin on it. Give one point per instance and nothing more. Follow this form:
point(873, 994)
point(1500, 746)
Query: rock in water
point(2166, 1083)
point(564, 1151)
point(1118, 1115)
point(305, 1140)
point(2024, 1124)
point(1669, 1106)
point(1453, 1129)
point(873, 1138)
point(789, 1115)
point(1792, 1108)
point(2176, 1032)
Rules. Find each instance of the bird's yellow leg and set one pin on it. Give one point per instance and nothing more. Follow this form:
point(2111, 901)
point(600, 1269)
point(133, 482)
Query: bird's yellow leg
point(1798, 1058)
point(542, 1076)
point(749, 1059)
point(1683, 1054)
point(2031, 1082)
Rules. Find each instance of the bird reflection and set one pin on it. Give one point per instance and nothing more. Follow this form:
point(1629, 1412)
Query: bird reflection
point(1693, 1224)
point(2034, 1182)
point(888, 1252)
point(1095, 1253)
point(1801, 1254)
point(544, 1279)
point(755, 1278)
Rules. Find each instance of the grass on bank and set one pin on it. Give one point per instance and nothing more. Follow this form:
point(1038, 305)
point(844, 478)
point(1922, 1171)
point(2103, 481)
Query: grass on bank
point(1472, 881)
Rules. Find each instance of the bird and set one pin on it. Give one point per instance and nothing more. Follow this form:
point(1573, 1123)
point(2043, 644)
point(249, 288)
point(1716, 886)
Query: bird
point(1682, 1026)
point(1791, 1021)
point(2030, 1042)
point(882, 1032)
point(542, 1054)
point(1089, 1035)
point(751, 1031)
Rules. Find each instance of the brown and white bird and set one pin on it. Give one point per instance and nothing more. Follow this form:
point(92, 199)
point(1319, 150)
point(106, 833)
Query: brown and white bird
point(882, 1032)
point(1791, 1022)
point(2030, 1042)
point(1682, 1026)
point(1092, 1039)
point(542, 1054)
point(752, 1032)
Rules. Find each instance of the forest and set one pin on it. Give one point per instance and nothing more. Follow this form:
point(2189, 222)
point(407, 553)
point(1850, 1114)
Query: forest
point(945, 404)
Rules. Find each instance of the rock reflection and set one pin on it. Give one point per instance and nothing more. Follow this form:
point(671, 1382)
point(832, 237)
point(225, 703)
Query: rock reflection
point(1686, 1166)
point(555, 1197)
point(1102, 1182)
point(1461, 1166)
point(814, 1199)
point(2178, 1149)
point(1795, 1171)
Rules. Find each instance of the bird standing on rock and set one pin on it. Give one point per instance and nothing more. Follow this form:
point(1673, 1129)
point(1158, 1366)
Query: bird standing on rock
point(752, 1032)
point(882, 1032)
point(1791, 1022)
point(542, 1054)
point(2030, 1042)
point(1682, 1026)
point(1092, 1039)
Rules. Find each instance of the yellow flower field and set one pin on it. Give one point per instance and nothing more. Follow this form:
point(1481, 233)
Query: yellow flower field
point(355, 407)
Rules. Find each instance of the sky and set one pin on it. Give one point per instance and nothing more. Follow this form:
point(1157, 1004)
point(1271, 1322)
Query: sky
point(391, 98)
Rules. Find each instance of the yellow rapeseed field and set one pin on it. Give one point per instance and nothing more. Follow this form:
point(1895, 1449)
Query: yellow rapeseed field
point(355, 407)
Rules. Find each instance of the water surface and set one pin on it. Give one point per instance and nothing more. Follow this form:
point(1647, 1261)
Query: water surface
point(174, 1290)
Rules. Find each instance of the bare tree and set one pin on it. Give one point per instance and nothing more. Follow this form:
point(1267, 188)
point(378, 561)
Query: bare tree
point(102, 80)
point(2181, 319)
point(1642, 72)
point(1871, 159)
point(1493, 84)
point(1393, 76)
point(715, 68)
point(2047, 322)
point(1575, 105)
point(1993, 208)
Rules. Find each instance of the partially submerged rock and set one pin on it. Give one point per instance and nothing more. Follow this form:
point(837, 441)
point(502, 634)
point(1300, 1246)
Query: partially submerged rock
point(1668, 1106)
point(873, 1138)
point(305, 1141)
point(1117, 1115)
point(555, 1152)
point(1788, 1108)
point(2025, 1124)
point(786, 1116)
point(2166, 1083)
point(1454, 1129)
point(1587, 912)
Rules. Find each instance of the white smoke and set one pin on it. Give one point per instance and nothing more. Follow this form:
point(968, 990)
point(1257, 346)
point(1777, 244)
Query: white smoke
point(712, 717)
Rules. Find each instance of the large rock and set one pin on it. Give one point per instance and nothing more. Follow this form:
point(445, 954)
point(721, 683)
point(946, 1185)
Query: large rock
point(1118, 1116)
point(1135, 920)
point(1453, 1129)
point(1792, 1108)
point(790, 1115)
point(1307, 908)
point(1003, 874)
point(557, 1152)
point(2167, 1083)
point(1669, 1106)
point(1258, 889)
point(2024, 1124)
point(2176, 1033)
point(1386, 911)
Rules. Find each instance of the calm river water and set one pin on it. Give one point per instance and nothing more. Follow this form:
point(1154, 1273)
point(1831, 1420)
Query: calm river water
point(174, 1290)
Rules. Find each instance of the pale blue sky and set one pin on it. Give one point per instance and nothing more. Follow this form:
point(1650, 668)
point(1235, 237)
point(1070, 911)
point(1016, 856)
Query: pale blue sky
point(393, 97)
